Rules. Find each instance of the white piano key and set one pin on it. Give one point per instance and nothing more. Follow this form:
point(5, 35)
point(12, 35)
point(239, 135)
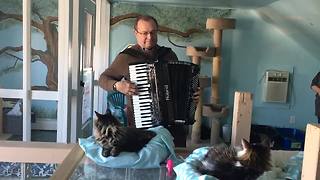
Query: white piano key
point(144, 126)
point(144, 93)
point(139, 111)
point(142, 82)
point(143, 121)
point(138, 115)
point(138, 65)
point(140, 104)
point(143, 101)
point(140, 108)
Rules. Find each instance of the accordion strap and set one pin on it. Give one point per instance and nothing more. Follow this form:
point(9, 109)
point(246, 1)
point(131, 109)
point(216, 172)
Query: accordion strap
point(162, 51)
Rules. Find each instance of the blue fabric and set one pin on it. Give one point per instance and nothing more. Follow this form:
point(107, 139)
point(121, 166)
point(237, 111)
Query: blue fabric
point(158, 150)
point(187, 170)
point(293, 167)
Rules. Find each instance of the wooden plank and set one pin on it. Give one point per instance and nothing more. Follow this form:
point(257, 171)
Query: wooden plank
point(310, 165)
point(241, 123)
point(33, 152)
point(220, 23)
point(69, 164)
point(200, 51)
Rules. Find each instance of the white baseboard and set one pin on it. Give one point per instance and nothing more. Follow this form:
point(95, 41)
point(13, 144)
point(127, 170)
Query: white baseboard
point(44, 124)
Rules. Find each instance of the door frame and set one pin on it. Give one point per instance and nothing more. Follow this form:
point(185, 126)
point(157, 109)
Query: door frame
point(66, 56)
point(68, 127)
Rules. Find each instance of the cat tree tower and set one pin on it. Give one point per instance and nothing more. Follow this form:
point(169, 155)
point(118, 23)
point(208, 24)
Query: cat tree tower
point(196, 54)
point(214, 111)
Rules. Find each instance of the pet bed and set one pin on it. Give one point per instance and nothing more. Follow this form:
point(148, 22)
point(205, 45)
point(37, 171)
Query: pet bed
point(285, 165)
point(158, 150)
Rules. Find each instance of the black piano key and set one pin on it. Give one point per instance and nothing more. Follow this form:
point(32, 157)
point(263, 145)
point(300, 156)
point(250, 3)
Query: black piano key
point(143, 109)
point(142, 106)
point(142, 98)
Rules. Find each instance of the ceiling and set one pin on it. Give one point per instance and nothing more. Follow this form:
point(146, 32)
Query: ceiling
point(233, 4)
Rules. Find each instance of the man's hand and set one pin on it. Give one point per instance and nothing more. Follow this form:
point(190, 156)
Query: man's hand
point(196, 96)
point(126, 87)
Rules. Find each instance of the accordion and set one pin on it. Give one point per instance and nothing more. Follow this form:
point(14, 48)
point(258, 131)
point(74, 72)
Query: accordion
point(165, 93)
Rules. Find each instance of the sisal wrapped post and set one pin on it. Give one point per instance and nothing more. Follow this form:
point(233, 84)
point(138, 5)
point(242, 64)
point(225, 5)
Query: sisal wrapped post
point(216, 25)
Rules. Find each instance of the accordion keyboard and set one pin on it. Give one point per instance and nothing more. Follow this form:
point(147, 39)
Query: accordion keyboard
point(142, 103)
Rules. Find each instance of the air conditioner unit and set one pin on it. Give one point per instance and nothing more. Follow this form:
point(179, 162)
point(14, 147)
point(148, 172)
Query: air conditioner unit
point(275, 86)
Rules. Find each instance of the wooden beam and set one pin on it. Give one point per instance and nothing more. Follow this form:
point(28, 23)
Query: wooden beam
point(241, 123)
point(311, 154)
point(69, 164)
point(202, 52)
point(33, 152)
point(220, 23)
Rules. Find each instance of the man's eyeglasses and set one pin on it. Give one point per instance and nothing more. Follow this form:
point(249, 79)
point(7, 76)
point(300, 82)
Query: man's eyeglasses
point(152, 33)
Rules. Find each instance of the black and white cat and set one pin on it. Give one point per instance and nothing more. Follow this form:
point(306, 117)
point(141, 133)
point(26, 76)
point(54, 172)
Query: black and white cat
point(228, 163)
point(115, 138)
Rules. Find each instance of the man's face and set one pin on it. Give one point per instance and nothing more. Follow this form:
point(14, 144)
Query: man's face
point(146, 34)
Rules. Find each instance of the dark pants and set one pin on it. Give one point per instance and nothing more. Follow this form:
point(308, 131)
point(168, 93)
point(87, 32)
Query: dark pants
point(318, 119)
point(179, 132)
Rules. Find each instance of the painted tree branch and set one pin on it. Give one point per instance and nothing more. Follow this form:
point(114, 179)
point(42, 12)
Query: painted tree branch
point(52, 18)
point(49, 57)
point(18, 17)
point(34, 53)
point(19, 59)
point(15, 63)
point(186, 34)
point(8, 48)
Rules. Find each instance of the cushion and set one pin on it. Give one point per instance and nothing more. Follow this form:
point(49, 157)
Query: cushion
point(158, 150)
point(187, 169)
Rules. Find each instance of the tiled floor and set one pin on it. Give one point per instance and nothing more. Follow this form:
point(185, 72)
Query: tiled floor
point(37, 170)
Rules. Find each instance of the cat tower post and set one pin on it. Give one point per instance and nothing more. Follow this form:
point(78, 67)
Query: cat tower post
point(196, 53)
point(214, 110)
point(311, 154)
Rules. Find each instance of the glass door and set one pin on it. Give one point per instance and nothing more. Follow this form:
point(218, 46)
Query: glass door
point(83, 75)
point(28, 70)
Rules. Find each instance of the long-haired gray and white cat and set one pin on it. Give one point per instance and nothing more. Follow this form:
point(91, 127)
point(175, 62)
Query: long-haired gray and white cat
point(228, 163)
point(115, 138)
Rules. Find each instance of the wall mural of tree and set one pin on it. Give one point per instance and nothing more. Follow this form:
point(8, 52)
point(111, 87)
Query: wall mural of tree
point(45, 21)
point(180, 22)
